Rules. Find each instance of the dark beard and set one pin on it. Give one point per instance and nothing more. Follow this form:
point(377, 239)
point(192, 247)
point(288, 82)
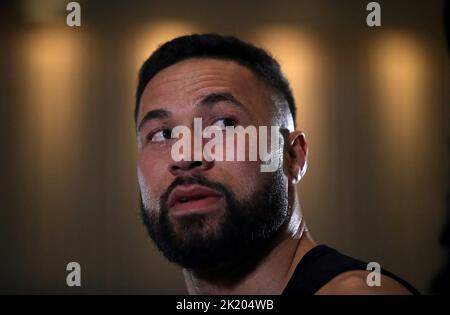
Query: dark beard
point(246, 229)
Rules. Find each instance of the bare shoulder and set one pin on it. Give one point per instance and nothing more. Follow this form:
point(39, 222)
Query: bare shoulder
point(355, 282)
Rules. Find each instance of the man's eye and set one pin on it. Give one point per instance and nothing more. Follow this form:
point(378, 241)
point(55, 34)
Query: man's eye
point(225, 122)
point(161, 135)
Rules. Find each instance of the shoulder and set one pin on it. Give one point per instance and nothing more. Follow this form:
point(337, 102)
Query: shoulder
point(355, 283)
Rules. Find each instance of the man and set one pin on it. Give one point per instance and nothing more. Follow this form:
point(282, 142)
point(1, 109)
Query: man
point(233, 228)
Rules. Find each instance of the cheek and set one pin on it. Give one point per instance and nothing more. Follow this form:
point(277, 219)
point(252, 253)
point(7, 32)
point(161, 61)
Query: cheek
point(242, 177)
point(151, 178)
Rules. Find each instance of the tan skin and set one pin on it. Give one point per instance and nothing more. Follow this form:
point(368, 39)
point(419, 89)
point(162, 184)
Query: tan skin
point(178, 90)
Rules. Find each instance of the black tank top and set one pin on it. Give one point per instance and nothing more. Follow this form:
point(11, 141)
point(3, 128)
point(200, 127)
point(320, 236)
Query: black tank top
point(321, 264)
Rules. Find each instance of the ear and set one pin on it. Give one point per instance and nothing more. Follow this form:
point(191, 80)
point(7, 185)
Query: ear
point(298, 154)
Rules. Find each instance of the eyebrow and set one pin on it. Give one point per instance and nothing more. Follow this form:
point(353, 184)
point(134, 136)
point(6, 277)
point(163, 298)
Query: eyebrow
point(208, 101)
point(154, 114)
point(213, 98)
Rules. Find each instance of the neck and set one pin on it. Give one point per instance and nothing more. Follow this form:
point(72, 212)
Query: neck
point(268, 274)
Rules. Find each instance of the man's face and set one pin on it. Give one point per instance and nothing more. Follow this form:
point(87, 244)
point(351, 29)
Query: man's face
point(204, 213)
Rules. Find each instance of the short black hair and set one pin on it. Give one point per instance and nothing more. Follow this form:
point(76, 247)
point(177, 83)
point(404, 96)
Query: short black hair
point(259, 61)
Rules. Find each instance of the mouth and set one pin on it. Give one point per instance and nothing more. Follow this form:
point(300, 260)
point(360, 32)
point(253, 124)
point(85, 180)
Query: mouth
point(194, 199)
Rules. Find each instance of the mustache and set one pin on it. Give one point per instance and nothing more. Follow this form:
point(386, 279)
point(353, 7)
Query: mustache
point(198, 179)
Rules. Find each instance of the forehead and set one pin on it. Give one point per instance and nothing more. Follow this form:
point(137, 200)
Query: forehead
point(183, 83)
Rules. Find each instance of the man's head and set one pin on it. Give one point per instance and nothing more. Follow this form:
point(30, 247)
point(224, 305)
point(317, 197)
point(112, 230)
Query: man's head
point(205, 213)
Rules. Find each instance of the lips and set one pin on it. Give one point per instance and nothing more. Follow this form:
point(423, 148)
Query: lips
point(193, 197)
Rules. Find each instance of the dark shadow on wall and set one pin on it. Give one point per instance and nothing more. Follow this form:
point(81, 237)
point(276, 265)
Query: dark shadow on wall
point(441, 282)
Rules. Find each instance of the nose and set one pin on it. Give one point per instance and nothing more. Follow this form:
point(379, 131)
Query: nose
point(193, 159)
point(181, 167)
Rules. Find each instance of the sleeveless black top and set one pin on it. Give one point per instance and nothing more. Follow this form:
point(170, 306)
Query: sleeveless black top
point(321, 264)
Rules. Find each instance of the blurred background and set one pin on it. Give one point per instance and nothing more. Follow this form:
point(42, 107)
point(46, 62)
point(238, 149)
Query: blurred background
point(373, 102)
